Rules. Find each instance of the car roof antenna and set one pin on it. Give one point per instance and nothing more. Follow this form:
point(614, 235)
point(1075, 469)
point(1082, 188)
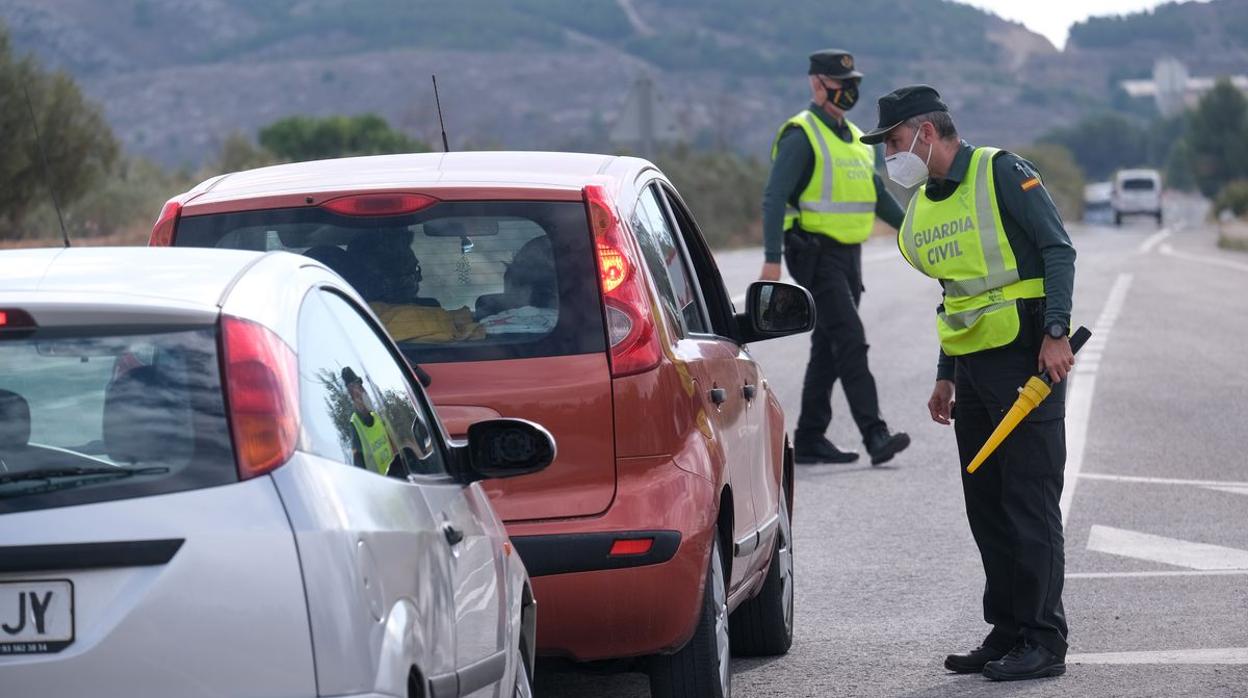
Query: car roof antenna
point(445, 147)
point(47, 171)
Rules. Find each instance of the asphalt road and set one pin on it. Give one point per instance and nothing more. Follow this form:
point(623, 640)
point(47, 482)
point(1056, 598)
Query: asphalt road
point(888, 577)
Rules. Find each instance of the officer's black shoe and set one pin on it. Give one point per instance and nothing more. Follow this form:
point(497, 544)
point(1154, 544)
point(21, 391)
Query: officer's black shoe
point(973, 662)
point(883, 446)
point(1025, 661)
point(821, 451)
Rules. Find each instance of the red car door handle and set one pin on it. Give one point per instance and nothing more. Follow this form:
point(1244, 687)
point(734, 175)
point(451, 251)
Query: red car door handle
point(453, 535)
point(749, 391)
point(719, 396)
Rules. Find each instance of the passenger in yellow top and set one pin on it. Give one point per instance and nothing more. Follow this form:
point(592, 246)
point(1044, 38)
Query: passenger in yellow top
point(390, 282)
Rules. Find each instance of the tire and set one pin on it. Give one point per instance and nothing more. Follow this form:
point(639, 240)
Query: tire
point(702, 668)
point(524, 682)
point(763, 625)
point(1117, 218)
point(1158, 218)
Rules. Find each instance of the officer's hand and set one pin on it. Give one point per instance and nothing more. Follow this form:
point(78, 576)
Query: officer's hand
point(770, 272)
point(940, 404)
point(1056, 358)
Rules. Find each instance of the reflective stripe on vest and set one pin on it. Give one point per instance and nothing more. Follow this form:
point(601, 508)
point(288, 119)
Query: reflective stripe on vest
point(961, 242)
point(839, 200)
point(375, 442)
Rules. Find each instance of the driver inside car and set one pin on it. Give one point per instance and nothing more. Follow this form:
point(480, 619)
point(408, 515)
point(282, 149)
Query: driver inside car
point(387, 259)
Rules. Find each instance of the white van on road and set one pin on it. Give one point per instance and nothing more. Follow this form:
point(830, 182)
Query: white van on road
point(1137, 192)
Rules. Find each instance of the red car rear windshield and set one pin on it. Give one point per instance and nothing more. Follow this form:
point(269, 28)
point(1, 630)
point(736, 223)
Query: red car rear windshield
point(459, 281)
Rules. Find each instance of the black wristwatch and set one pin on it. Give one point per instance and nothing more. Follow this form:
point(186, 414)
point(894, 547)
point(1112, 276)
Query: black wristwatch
point(1057, 330)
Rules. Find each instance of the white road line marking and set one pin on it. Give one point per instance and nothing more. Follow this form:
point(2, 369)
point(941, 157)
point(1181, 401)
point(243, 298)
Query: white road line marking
point(1158, 573)
point(1152, 241)
point(1169, 551)
point(1163, 480)
point(1082, 388)
point(1232, 490)
point(1220, 655)
point(1166, 249)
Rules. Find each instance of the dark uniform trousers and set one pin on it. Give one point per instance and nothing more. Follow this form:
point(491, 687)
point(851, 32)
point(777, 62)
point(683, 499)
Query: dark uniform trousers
point(832, 272)
point(1012, 500)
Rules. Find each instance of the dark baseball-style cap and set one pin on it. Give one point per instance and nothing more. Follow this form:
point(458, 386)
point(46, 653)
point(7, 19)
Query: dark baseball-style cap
point(834, 63)
point(901, 104)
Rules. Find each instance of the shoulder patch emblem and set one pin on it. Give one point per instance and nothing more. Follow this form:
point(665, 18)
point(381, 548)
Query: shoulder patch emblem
point(1030, 184)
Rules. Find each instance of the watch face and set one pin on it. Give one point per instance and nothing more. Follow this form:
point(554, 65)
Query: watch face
point(1057, 331)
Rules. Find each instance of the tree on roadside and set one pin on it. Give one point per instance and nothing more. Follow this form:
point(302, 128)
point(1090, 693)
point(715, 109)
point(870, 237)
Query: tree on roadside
point(724, 192)
point(79, 144)
point(300, 138)
point(239, 153)
point(1061, 176)
point(1217, 138)
point(1102, 144)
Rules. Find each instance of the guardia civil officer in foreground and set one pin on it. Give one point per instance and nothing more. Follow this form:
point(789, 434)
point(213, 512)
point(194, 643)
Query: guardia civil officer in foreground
point(821, 201)
point(986, 229)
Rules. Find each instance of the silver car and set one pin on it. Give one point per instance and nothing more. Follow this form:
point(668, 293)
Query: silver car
point(219, 477)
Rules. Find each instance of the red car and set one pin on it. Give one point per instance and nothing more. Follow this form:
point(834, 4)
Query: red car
point(576, 291)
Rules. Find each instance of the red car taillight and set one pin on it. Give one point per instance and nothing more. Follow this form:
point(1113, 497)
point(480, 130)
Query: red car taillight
point(166, 223)
point(630, 322)
point(262, 395)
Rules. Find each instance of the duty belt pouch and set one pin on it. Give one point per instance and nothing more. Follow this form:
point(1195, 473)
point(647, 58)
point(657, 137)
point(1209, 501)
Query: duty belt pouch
point(801, 254)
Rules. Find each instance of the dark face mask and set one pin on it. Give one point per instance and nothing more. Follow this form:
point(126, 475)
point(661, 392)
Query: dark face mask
point(844, 98)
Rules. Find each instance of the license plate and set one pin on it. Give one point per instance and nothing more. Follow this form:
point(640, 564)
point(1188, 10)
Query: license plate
point(36, 616)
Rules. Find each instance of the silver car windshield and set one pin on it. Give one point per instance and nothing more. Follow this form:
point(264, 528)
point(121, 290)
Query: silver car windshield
point(88, 416)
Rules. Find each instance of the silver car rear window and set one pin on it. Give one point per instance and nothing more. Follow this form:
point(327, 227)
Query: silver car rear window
point(87, 416)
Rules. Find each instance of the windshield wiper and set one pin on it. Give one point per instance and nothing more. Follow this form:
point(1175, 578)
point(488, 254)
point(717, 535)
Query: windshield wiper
point(53, 478)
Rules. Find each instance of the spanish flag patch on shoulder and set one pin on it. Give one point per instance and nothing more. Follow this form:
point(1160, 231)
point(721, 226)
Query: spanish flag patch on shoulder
point(1031, 183)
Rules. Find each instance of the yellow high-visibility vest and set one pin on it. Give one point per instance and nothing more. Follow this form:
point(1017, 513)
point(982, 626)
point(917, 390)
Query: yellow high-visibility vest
point(961, 242)
point(839, 201)
point(375, 442)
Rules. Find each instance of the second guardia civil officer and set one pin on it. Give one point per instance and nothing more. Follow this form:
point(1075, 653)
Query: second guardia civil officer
point(821, 201)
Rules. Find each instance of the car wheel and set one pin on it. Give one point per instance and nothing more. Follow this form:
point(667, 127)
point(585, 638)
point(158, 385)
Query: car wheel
point(702, 667)
point(524, 682)
point(763, 625)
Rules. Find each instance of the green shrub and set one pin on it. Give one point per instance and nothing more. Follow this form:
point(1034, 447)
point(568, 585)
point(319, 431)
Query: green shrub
point(1233, 197)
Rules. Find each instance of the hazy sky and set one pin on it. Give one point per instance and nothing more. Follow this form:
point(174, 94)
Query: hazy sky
point(1053, 18)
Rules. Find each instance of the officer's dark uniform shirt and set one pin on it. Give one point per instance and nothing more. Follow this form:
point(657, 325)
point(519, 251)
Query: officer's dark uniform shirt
point(790, 174)
point(1033, 226)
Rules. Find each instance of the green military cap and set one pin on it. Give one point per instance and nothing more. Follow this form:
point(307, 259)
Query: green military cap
point(834, 63)
point(901, 104)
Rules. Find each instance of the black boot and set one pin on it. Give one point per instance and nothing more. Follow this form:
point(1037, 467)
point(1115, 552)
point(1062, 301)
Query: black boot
point(821, 451)
point(1026, 661)
point(973, 662)
point(883, 446)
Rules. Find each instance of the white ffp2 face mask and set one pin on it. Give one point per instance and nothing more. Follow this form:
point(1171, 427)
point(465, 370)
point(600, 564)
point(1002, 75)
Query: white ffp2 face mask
point(907, 169)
